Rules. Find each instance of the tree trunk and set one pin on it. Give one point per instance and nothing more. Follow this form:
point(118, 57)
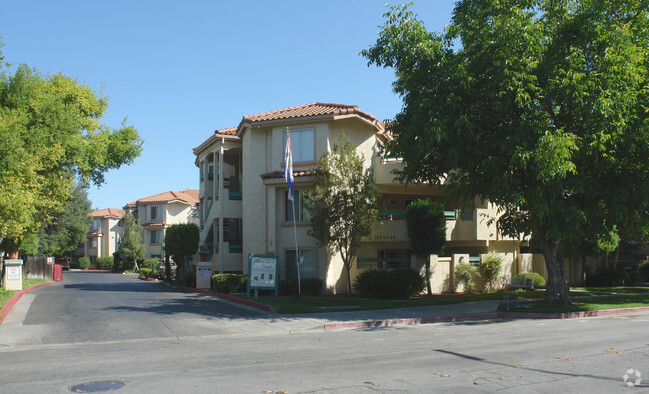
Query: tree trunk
point(430, 291)
point(557, 290)
point(349, 277)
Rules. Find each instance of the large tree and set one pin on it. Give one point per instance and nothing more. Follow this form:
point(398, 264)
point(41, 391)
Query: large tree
point(343, 202)
point(538, 106)
point(68, 227)
point(51, 133)
point(426, 225)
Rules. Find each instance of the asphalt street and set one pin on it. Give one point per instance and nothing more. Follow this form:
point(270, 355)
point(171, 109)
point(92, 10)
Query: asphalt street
point(144, 337)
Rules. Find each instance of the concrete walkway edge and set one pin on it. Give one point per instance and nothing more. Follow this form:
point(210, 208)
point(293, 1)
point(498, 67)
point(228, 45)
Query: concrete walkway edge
point(14, 299)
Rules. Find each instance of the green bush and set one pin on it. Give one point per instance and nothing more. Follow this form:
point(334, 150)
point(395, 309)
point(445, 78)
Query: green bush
point(490, 267)
point(466, 273)
point(309, 287)
point(389, 285)
point(84, 263)
point(539, 281)
point(152, 263)
point(149, 273)
point(620, 276)
point(105, 262)
point(230, 283)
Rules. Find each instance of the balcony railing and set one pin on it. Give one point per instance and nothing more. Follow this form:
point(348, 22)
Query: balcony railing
point(384, 262)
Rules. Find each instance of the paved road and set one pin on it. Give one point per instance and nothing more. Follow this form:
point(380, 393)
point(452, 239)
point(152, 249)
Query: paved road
point(153, 339)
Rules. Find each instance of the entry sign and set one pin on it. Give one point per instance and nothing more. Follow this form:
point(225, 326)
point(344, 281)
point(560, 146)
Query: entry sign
point(262, 272)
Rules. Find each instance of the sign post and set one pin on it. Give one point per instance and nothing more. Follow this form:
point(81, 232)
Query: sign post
point(13, 274)
point(263, 271)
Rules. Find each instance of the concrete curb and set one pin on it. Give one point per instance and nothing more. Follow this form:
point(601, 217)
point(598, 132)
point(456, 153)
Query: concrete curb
point(479, 316)
point(14, 299)
point(411, 321)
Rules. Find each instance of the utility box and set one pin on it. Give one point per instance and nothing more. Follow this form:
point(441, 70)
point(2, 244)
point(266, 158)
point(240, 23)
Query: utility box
point(204, 275)
point(13, 274)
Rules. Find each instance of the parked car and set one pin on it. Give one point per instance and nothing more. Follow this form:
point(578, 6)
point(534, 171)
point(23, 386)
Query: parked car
point(64, 262)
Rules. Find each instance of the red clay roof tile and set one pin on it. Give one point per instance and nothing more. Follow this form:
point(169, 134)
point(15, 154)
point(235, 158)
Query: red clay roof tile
point(107, 212)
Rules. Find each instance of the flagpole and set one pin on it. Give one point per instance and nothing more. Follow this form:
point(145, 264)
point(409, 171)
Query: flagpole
point(297, 254)
point(288, 174)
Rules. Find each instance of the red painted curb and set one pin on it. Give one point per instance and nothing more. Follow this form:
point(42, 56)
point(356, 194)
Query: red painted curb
point(14, 299)
point(228, 297)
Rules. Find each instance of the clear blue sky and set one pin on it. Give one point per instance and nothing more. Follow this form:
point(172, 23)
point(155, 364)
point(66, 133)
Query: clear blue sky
point(181, 69)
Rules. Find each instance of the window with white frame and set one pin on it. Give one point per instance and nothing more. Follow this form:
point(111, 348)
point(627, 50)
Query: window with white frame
point(301, 213)
point(93, 225)
point(307, 269)
point(156, 237)
point(302, 144)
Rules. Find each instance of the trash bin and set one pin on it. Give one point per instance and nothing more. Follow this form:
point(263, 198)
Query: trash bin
point(57, 273)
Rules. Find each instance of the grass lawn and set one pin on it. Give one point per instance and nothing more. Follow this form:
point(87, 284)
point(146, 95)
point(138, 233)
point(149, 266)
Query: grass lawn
point(590, 303)
point(5, 295)
point(289, 305)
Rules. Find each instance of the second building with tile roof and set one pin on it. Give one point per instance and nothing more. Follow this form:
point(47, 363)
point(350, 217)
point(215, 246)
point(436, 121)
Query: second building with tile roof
point(157, 212)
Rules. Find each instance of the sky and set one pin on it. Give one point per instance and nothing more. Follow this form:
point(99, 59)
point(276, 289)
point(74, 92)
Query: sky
point(179, 70)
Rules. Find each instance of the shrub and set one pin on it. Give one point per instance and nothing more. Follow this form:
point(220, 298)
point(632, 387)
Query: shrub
point(644, 271)
point(105, 262)
point(309, 286)
point(152, 263)
point(539, 281)
point(465, 273)
point(229, 283)
point(84, 263)
point(149, 273)
point(490, 267)
point(620, 276)
point(384, 284)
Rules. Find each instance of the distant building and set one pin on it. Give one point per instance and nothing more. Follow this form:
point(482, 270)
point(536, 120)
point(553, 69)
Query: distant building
point(105, 233)
point(156, 213)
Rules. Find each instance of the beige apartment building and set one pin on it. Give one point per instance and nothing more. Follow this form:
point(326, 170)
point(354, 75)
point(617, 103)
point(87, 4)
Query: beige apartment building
point(244, 193)
point(158, 212)
point(105, 233)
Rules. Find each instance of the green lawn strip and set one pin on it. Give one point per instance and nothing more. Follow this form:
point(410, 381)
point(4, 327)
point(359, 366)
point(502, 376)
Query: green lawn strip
point(5, 295)
point(583, 304)
point(289, 305)
point(617, 289)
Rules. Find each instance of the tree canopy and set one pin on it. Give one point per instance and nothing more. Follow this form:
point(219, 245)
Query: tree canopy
point(68, 227)
point(51, 134)
point(132, 247)
point(181, 240)
point(539, 106)
point(343, 202)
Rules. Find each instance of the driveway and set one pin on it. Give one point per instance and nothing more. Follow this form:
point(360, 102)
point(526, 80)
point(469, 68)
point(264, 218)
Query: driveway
point(100, 306)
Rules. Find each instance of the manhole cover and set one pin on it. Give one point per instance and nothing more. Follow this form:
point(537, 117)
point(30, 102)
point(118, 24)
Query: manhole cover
point(94, 387)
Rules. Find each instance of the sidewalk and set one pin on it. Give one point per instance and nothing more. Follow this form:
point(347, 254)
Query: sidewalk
point(467, 311)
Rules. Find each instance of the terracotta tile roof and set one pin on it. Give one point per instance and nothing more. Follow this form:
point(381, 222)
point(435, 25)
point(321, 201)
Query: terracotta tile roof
point(228, 131)
point(187, 195)
point(107, 212)
point(309, 110)
point(280, 174)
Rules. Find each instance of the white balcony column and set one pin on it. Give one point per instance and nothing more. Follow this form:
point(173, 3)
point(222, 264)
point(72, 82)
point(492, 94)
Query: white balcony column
point(221, 198)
